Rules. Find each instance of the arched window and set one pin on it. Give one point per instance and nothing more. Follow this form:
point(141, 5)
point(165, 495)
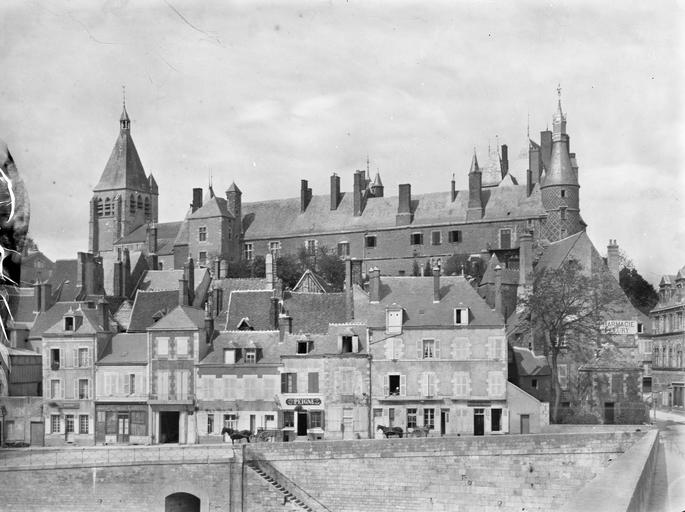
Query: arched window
point(140, 203)
point(108, 207)
point(99, 206)
point(132, 204)
point(669, 362)
point(147, 207)
point(679, 358)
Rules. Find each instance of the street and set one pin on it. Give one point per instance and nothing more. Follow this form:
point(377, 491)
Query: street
point(668, 491)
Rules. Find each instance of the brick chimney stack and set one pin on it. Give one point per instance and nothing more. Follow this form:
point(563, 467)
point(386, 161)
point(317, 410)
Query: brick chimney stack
point(305, 195)
point(613, 259)
point(403, 216)
point(335, 191)
point(197, 200)
point(436, 284)
point(525, 259)
point(374, 285)
point(498, 290)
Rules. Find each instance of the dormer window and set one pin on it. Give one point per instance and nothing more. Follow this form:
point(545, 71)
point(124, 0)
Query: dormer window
point(69, 323)
point(229, 356)
point(304, 346)
point(393, 321)
point(250, 356)
point(461, 316)
point(348, 344)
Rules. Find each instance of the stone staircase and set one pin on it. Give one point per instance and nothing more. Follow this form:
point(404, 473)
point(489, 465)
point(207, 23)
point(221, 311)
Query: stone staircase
point(269, 475)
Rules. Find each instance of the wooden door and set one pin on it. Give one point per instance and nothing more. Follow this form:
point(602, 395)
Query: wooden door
point(525, 424)
point(123, 427)
point(37, 433)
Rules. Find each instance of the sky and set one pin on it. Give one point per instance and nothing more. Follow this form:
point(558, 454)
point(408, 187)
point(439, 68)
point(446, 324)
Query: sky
point(268, 93)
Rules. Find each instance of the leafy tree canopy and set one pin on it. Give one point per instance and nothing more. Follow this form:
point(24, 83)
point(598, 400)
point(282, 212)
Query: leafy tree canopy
point(641, 293)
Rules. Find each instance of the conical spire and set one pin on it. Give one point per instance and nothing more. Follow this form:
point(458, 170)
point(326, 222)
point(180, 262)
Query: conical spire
point(124, 121)
point(474, 163)
point(377, 180)
point(233, 188)
point(559, 118)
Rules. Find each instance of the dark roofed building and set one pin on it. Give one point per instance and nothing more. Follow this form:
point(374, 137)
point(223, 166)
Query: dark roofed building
point(150, 307)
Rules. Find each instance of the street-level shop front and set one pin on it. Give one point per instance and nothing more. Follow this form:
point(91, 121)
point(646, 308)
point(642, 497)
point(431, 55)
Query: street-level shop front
point(122, 423)
point(302, 416)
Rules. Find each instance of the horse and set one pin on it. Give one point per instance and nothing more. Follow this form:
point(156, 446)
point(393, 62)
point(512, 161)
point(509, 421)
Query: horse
point(236, 434)
point(421, 431)
point(391, 431)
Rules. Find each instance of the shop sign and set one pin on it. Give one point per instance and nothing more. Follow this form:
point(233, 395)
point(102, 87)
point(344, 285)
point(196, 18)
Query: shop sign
point(303, 401)
point(620, 327)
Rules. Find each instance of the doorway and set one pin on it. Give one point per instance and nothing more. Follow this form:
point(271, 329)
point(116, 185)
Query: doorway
point(444, 419)
point(348, 424)
point(182, 502)
point(123, 427)
point(37, 433)
point(302, 423)
point(609, 413)
point(168, 426)
point(478, 422)
point(525, 423)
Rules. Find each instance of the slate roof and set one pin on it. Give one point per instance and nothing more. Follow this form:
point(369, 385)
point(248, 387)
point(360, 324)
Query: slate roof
point(165, 231)
point(273, 219)
point(126, 348)
point(509, 276)
point(65, 270)
point(577, 246)
point(159, 280)
point(148, 304)
point(267, 341)
point(326, 343)
point(51, 321)
point(181, 317)
point(252, 304)
point(312, 312)
point(492, 171)
point(183, 232)
point(212, 207)
point(530, 365)
point(123, 169)
point(123, 314)
point(22, 303)
point(415, 296)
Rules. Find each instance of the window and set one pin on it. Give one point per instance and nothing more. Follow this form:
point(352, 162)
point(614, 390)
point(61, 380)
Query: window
point(313, 379)
point(248, 252)
point(347, 380)
point(562, 213)
point(641, 329)
point(288, 383)
point(303, 346)
point(108, 207)
point(181, 346)
point(275, 249)
point(83, 424)
point(346, 345)
point(99, 207)
point(83, 359)
point(454, 236)
point(83, 389)
point(147, 207)
point(436, 238)
point(229, 356)
point(428, 387)
point(131, 383)
point(288, 418)
point(428, 349)
point(393, 321)
point(69, 423)
point(132, 204)
point(54, 423)
point(563, 376)
point(202, 258)
point(162, 347)
point(377, 413)
point(496, 348)
point(343, 249)
point(429, 418)
point(411, 418)
point(68, 323)
point(461, 316)
point(140, 202)
point(534, 383)
point(202, 234)
point(310, 246)
point(54, 358)
point(395, 386)
point(462, 350)
point(315, 419)
point(496, 420)
point(416, 238)
point(210, 423)
point(505, 238)
point(462, 384)
point(250, 356)
point(563, 193)
point(231, 421)
point(496, 384)
point(391, 416)
point(370, 241)
point(55, 388)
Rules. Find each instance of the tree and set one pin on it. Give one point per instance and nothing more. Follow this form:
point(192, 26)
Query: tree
point(289, 269)
point(564, 313)
point(642, 294)
point(331, 268)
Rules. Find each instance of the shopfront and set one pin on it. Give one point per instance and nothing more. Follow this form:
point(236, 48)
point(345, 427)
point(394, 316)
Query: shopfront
point(302, 417)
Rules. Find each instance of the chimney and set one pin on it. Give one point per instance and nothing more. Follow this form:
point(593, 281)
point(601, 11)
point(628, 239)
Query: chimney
point(37, 289)
point(152, 238)
point(218, 300)
point(118, 290)
point(613, 259)
point(403, 216)
point(305, 195)
point(505, 160)
point(189, 277)
point(436, 284)
point(475, 206)
point(103, 310)
point(546, 148)
point(529, 182)
point(498, 290)
point(223, 269)
point(534, 163)
point(374, 285)
point(525, 259)
point(46, 297)
point(126, 275)
point(285, 325)
point(335, 191)
point(183, 293)
point(209, 324)
point(271, 271)
point(454, 189)
point(197, 200)
point(357, 193)
point(153, 262)
point(274, 312)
